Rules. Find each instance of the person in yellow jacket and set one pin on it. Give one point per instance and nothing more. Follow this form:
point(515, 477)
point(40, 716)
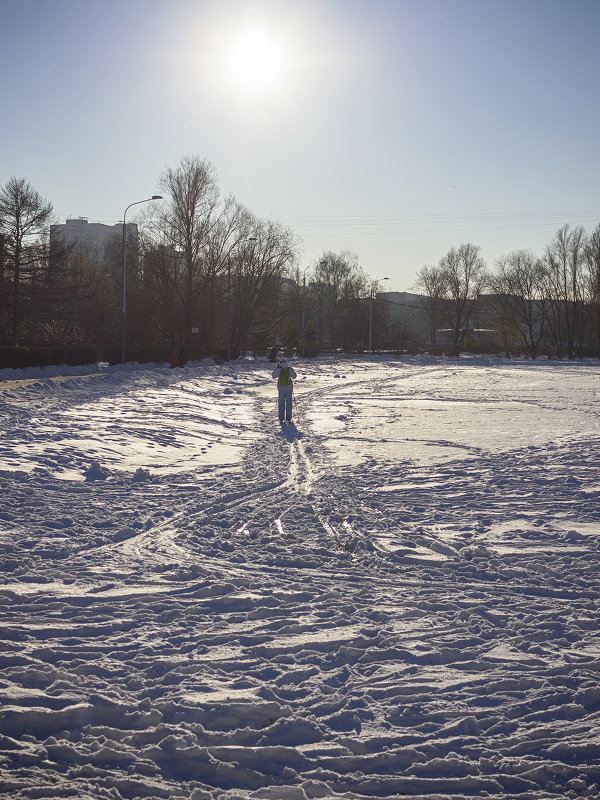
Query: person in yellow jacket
point(285, 374)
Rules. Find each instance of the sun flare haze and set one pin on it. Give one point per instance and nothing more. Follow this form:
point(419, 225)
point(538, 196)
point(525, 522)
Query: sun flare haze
point(256, 59)
point(392, 131)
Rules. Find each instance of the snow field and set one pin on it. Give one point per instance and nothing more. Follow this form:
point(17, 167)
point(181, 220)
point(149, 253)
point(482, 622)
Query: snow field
point(395, 596)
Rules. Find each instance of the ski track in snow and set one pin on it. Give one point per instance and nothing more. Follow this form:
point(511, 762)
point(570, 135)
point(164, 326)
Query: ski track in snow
point(395, 596)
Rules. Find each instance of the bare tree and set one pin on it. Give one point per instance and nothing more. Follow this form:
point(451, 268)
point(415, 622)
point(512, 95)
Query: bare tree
point(24, 220)
point(454, 288)
point(520, 282)
point(337, 277)
point(592, 253)
point(351, 321)
point(186, 224)
point(200, 268)
point(432, 284)
point(259, 265)
point(4, 290)
point(162, 270)
point(565, 260)
point(231, 233)
point(90, 302)
point(166, 275)
point(465, 276)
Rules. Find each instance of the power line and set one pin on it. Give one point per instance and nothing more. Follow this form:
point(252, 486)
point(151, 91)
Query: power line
point(395, 225)
point(412, 219)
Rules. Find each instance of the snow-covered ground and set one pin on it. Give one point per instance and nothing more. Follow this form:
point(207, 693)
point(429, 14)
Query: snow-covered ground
point(396, 596)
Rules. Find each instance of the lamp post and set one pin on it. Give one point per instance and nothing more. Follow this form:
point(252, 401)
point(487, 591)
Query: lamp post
point(250, 239)
point(124, 296)
point(373, 285)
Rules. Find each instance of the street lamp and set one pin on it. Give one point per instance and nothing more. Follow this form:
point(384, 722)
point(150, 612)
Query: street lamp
point(250, 239)
point(124, 298)
point(373, 284)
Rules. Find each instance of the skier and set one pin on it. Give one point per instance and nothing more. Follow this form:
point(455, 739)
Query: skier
point(173, 356)
point(284, 374)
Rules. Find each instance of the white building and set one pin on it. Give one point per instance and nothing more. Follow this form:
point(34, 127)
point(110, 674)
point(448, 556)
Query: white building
point(92, 239)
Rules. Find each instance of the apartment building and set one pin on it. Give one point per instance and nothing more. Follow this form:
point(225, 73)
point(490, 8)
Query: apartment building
point(92, 239)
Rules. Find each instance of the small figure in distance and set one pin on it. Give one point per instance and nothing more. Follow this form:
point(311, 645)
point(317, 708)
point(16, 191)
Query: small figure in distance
point(173, 356)
point(273, 354)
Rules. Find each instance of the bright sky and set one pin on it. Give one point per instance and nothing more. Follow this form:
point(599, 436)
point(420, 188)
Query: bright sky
point(391, 128)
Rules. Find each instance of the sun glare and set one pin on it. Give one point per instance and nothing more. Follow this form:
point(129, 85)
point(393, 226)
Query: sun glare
point(256, 60)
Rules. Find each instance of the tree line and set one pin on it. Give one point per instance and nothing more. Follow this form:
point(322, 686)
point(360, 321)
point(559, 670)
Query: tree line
point(198, 256)
point(203, 270)
point(206, 271)
point(548, 303)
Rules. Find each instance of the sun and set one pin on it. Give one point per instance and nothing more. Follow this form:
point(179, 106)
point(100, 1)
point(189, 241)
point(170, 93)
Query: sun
point(256, 59)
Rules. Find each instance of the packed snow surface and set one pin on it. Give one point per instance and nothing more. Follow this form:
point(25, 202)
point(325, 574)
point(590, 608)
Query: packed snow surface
point(395, 596)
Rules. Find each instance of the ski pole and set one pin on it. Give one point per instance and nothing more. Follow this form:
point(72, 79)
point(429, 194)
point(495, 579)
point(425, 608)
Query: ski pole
point(294, 402)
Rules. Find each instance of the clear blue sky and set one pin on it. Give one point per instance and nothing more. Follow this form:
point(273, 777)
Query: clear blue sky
point(391, 128)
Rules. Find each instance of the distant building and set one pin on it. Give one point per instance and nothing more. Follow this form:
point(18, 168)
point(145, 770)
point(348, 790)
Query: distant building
point(410, 311)
point(92, 239)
